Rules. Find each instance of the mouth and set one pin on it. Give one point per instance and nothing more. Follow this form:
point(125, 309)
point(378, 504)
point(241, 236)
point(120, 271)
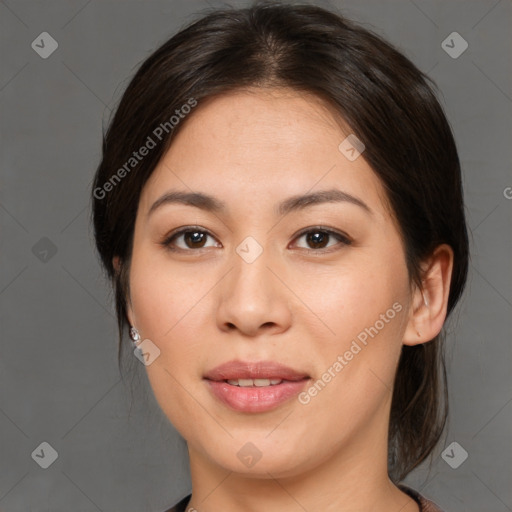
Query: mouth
point(255, 386)
point(257, 383)
point(259, 372)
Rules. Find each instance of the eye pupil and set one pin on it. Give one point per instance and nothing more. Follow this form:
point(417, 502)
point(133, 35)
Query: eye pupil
point(317, 239)
point(195, 237)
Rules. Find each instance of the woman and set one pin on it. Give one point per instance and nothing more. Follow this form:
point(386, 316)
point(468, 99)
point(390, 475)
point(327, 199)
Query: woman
point(279, 208)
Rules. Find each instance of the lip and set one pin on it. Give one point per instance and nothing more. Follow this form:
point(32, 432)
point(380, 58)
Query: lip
point(254, 370)
point(255, 399)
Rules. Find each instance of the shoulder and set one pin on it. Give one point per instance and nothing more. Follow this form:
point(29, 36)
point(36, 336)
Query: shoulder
point(181, 506)
point(425, 504)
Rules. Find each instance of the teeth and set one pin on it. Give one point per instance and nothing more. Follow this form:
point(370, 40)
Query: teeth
point(245, 383)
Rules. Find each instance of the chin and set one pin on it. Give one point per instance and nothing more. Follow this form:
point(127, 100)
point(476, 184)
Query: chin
point(257, 457)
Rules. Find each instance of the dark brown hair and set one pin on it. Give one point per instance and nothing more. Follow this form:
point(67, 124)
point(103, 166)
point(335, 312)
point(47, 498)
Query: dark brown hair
point(387, 103)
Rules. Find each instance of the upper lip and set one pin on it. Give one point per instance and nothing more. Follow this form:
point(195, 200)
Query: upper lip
point(236, 369)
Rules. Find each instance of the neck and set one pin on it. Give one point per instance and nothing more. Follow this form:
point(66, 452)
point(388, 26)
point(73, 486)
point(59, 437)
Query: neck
point(353, 477)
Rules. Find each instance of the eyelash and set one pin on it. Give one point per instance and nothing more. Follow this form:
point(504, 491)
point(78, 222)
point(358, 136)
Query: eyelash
point(344, 239)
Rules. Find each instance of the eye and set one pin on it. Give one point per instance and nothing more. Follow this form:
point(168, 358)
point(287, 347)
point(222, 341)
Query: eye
point(188, 238)
point(196, 238)
point(321, 238)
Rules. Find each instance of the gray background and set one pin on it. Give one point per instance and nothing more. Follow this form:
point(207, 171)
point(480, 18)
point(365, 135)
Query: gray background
point(59, 381)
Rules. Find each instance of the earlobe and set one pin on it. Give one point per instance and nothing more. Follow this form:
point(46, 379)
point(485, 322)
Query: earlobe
point(430, 303)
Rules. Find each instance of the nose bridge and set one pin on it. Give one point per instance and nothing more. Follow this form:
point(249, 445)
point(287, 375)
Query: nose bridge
point(250, 277)
point(251, 297)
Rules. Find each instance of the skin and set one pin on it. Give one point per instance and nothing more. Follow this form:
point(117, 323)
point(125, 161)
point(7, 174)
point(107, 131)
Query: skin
point(295, 304)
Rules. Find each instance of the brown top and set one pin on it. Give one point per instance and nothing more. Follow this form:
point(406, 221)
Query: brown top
point(425, 505)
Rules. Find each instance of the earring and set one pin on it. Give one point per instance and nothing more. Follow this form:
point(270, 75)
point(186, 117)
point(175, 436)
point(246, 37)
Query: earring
point(135, 336)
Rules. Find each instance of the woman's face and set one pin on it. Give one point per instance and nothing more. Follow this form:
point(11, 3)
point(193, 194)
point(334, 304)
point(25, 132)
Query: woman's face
point(268, 276)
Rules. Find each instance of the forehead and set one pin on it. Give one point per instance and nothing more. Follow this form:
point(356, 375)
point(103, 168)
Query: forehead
point(267, 121)
point(256, 145)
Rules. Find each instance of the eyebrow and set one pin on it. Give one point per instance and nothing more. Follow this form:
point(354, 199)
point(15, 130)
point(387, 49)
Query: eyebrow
point(293, 203)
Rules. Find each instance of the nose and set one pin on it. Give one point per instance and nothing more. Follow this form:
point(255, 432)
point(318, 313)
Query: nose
point(252, 300)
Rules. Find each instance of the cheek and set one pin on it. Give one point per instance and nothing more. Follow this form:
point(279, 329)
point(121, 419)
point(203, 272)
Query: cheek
point(364, 307)
point(161, 295)
point(351, 298)
point(169, 308)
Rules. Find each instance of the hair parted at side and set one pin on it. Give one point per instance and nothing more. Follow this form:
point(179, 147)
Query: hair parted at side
point(384, 99)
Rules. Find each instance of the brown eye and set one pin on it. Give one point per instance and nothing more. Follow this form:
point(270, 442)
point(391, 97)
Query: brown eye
point(187, 239)
point(317, 239)
point(194, 239)
point(322, 239)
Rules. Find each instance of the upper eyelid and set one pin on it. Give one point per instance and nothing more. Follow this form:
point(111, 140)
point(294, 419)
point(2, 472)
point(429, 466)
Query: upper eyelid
point(325, 229)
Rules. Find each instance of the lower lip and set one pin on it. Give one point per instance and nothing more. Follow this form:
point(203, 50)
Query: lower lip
point(256, 399)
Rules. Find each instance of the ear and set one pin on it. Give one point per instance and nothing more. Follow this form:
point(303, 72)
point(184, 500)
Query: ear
point(116, 263)
point(430, 303)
